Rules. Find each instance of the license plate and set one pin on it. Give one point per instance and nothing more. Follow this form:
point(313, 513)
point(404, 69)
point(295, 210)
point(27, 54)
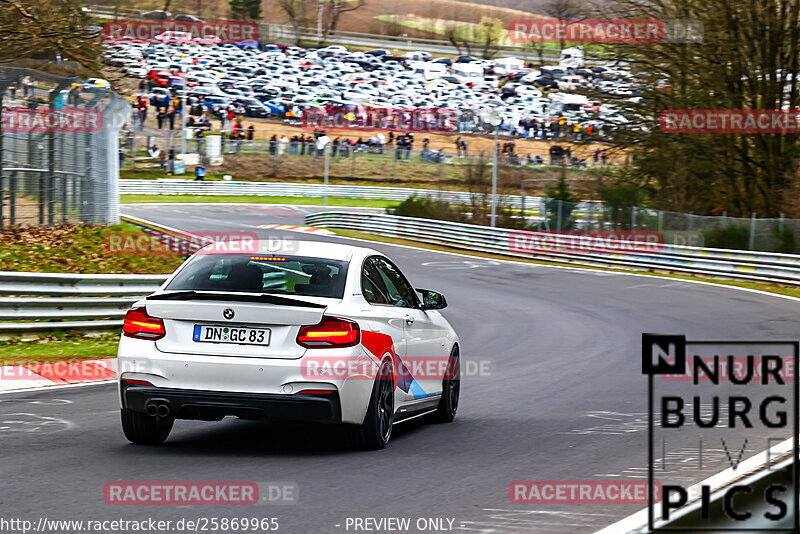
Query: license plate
point(231, 335)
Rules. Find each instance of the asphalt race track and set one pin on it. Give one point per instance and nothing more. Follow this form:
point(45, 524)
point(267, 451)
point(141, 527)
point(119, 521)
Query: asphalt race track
point(563, 399)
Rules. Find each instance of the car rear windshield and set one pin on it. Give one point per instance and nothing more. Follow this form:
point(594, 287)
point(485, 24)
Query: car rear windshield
point(294, 275)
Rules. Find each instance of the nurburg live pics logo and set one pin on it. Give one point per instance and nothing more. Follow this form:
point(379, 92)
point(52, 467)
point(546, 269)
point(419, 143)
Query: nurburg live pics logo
point(736, 398)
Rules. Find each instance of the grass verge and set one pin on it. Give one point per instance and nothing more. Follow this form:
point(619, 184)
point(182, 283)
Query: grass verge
point(58, 348)
point(77, 249)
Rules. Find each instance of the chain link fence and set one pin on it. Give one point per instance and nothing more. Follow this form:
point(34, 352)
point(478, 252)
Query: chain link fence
point(59, 149)
point(758, 234)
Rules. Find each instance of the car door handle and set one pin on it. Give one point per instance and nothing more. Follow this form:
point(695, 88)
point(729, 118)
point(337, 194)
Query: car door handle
point(409, 320)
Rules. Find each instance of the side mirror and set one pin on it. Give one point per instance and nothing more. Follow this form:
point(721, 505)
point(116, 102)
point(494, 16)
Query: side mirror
point(432, 300)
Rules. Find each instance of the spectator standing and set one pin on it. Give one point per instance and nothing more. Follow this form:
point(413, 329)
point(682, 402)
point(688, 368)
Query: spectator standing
point(400, 145)
point(222, 113)
point(199, 134)
point(251, 132)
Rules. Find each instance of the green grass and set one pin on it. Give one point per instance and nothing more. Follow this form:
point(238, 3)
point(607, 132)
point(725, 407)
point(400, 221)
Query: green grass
point(59, 348)
point(256, 199)
point(76, 249)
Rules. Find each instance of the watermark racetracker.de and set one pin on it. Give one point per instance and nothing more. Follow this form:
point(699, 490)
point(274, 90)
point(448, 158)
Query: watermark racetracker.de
point(608, 31)
point(159, 243)
point(729, 121)
point(190, 493)
point(586, 241)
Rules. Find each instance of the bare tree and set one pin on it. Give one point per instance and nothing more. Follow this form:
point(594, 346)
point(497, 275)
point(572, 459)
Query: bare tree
point(567, 12)
point(40, 29)
point(330, 11)
point(297, 13)
point(748, 58)
point(455, 34)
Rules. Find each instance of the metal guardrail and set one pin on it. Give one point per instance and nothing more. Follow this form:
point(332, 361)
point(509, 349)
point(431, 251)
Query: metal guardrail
point(91, 301)
point(174, 186)
point(721, 263)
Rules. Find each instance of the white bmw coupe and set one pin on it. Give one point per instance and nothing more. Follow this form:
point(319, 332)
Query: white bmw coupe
point(309, 331)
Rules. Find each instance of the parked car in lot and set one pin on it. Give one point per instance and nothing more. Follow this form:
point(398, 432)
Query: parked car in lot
point(156, 14)
point(187, 18)
point(212, 103)
point(252, 107)
point(311, 331)
point(571, 83)
point(287, 78)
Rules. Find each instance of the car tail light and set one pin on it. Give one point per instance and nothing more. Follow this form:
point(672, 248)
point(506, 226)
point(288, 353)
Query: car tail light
point(133, 382)
point(141, 326)
point(316, 392)
point(331, 332)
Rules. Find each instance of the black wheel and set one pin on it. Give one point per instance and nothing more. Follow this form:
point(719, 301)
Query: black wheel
point(451, 389)
point(375, 431)
point(144, 429)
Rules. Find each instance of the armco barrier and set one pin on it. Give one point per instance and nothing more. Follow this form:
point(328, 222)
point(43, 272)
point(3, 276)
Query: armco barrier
point(729, 264)
point(175, 186)
point(92, 301)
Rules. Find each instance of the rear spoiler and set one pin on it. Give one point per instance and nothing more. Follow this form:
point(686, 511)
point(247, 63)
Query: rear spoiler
point(235, 297)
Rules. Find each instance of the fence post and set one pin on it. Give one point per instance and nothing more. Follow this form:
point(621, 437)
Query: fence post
point(12, 208)
point(314, 161)
point(133, 150)
point(724, 218)
point(353, 167)
point(633, 218)
point(543, 213)
point(661, 222)
point(394, 165)
point(51, 177)
point(689, 216)
point(752, 230)
point(2, 154)
point(558, 222)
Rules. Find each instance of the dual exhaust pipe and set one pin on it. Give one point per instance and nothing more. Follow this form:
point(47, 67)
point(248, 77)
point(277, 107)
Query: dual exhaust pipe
point(157, 407)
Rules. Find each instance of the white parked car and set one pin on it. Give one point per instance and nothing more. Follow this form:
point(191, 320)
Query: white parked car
point(528, 91)
point(306, 331)
point(570, 83)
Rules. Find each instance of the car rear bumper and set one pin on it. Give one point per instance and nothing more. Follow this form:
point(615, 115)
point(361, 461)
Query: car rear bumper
point(213, 405)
